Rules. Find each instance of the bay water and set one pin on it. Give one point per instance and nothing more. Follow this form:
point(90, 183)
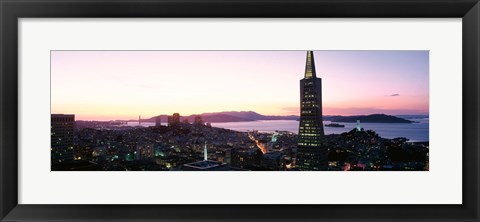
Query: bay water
point(415, 132)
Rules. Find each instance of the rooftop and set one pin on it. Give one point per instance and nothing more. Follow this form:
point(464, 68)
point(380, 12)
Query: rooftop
point(203, 165)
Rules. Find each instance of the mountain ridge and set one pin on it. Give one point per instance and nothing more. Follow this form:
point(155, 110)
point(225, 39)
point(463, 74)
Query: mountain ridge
point(248, 116)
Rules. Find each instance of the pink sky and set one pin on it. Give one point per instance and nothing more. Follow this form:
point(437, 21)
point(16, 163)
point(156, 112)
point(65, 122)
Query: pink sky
point(108, 85)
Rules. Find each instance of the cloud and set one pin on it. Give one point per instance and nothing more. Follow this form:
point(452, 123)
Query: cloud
point(395, 94)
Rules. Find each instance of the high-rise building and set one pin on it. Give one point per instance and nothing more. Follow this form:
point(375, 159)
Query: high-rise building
point(158, 121)
point(145, 152)
point(61, 137)
point(198, 121)
point(174, 119)
point(311, 153)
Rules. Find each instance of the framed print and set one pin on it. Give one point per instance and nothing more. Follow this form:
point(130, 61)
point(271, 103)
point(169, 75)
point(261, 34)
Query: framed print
point(279, 110)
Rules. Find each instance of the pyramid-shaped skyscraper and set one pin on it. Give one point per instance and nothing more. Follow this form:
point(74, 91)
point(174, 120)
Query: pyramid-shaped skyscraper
point(311, 154)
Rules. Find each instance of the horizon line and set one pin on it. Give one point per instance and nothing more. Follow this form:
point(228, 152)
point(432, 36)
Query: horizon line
point(231, 111)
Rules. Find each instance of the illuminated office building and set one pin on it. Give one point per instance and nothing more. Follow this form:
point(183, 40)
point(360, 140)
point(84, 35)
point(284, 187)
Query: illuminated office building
point(311, 154)
point(62, 137)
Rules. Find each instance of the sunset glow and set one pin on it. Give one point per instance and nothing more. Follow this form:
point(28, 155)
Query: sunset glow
point(110, 85)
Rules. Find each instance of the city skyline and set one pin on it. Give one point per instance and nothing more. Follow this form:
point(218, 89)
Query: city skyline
point(118, 146)
point(109, 85)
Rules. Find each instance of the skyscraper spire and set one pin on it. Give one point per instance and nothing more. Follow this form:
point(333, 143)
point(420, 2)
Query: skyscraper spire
point(310, 66)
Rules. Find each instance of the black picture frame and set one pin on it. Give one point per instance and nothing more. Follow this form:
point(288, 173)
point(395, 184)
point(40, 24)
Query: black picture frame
point(12, 10)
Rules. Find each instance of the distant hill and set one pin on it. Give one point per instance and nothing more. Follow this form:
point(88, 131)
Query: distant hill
point(374, 118)
point(239, 114)
point(255, 116)
point(218, 118)
point(209, 118)
point(412, 116)
point(228, 116)
point(246, 116)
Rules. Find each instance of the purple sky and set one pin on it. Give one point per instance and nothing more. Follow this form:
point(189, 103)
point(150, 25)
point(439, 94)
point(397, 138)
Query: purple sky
point(106, 85)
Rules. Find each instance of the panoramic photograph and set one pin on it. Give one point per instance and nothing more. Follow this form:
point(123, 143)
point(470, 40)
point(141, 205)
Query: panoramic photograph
point(313, 110)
